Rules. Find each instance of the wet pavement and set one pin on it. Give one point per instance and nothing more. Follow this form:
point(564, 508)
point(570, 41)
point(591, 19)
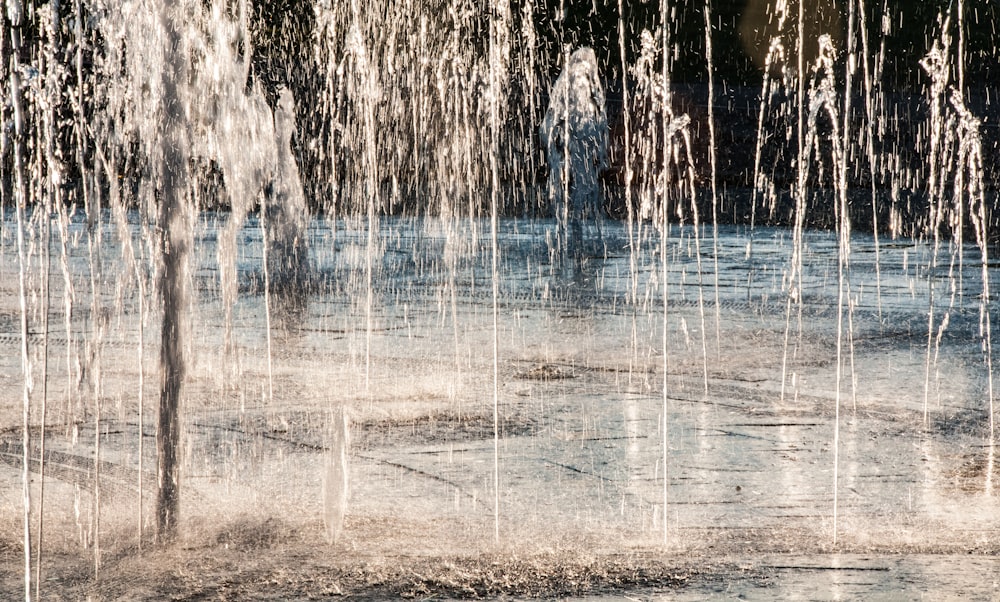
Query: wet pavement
point(878, 484)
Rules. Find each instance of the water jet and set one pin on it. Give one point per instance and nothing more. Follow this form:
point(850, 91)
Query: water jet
point(330, 232)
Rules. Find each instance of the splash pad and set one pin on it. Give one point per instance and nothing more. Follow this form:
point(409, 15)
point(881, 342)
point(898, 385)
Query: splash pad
point(442, 410)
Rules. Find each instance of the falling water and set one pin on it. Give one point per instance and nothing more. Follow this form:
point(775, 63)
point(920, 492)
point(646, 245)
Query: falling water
point(499, 56)
point(345, 356)
point(713, 182)
point(15, 13)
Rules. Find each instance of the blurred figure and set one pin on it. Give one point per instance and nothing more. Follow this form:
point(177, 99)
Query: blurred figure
point(286, 215)
point(574, 135)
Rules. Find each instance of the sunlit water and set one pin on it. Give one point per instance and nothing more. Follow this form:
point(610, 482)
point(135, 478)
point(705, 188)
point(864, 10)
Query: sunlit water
point(445, 384)
point(580, 449)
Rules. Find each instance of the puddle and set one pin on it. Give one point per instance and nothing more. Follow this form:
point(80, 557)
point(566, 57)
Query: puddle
point(748, 471)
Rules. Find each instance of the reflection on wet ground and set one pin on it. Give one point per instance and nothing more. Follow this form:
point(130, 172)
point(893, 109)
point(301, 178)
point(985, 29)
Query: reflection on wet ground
point(749, 467)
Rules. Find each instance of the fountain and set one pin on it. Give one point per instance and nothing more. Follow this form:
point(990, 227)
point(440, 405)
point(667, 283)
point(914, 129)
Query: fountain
point(574, 135)
point(323, 240)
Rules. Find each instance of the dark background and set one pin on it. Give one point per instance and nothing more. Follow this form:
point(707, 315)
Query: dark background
point(900, 31)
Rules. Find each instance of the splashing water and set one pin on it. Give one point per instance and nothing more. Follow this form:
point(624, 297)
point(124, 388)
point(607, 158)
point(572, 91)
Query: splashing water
point(574, 134)
point(294, 231)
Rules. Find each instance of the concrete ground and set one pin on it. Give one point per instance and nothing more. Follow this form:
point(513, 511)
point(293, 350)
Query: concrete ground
point(794, 463)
